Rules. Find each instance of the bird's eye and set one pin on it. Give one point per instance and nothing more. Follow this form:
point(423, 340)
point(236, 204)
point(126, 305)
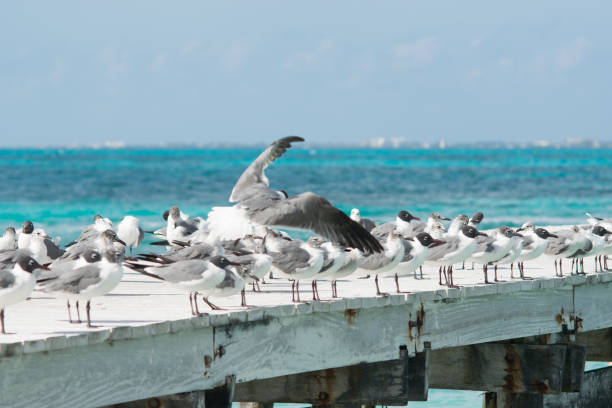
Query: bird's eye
point(31, 263)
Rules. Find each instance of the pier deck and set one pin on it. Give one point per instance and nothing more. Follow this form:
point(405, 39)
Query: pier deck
point(149, 345)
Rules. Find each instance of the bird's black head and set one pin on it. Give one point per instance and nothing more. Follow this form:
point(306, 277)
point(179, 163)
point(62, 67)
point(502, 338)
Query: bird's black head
point(91, 255)
point(166, 214)
point(283, 194)
point(175, 212)
point(601, 231)
point(506, 231)
point(10, 230)
point(27, 263)
point(221, 261)
point(427, 240)
point(27, 227)
point(406, 216)
point(471, 232)
point(97, 217)
point(544, 234)
point(477, 218)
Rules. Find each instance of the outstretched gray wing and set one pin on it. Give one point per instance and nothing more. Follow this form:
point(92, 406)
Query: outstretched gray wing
point(312, 212)
point(254, 174)
point(183, 271)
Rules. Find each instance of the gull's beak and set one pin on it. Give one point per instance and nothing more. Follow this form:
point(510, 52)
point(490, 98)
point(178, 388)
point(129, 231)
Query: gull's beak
point(520, 229)
point(482, 234)
point(436, 242)
point(410, 239)
point(416, 218)
point(45, 267)
point(119, 241)
point(516, 234)
point(445, 219)
point(553, 235)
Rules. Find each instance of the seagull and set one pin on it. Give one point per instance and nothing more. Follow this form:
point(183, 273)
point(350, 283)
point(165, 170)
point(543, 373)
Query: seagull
point(9, 239)
point(455, 249)
point(104, 241)
point(597, 235)
point(96, 278)
point(605, 222)
point(405, 223)
point(570, 243)
point(382, 262)
point(196, 251)
point(513, 253)
point(457, 224)
point(433, 221)
point(130, 232)
point(294, 259)
point(492, 248)
point(192, 276)
point(233, 282)
point(43, 248)
point(415, 253)
point(353, 258)
point(535, 242)
point(256, 266)
point(178, 229)
point(92, 231)
point(366, 223)
point(264, 206)
point(333, 259)
point(23, 240)
point(476, 219)
point(17, 280)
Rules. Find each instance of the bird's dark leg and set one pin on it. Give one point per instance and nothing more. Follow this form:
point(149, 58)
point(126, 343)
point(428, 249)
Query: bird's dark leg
point(272, 276)
point(69, 315)
point(606, 262)
point(415, 275)
point(258, 287)
point(243, 298)
point(2, 320)
point(297, 290)
point(556, 271)
point(600, 264)
point(512, 271)
point(582, 265)
point(560, 267)
point(421, 269)
point(463, 265)
point(87, 308)
point(397, 284)
point(213, 307)
point(195, 303)
point(191, 303)
point(333, 289)
point(293, 291)
point(378, 293)
point(314, 291)
point(78, 312)
point(450, 275)
point(473, 265)
point(445, 275)
point(440, 273)
point(484, 270)
point(572, 270)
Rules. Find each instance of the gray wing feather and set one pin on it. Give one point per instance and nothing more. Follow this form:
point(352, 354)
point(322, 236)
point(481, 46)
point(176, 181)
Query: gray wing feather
point(383, 230)
point(140, 236)
point(290, 258)
point(74, 281)
point(407, 250)
point(254, 174)
point(313, 212)
point(438, 252)
point(182, 271)
point(53, 251)
point(7, 279)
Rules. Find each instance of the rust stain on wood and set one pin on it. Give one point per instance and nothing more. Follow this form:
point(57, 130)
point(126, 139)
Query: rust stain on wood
point(326, 385)
point(350, 315)
point(559, 317)
point(541, 387)
point(513, 380)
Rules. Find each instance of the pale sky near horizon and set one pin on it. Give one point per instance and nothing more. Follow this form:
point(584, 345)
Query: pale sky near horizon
point(149, 72)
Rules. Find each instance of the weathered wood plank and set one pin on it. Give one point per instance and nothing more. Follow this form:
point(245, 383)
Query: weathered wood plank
point(418, 375)
point(108, 373)
point(596, 392)
point(598, 344)
point(500, 367)
point(383, 383)
point(593, 306)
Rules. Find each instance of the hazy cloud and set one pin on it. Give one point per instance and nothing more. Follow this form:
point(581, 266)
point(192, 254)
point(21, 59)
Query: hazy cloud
point(235, 56)
point(572, 54)
point(114, 62)
point(477, 42)
point(190, 47)
point(158, 63)
point(419, 53)
point(59, 69)
point(309, 58)
point(505, 62)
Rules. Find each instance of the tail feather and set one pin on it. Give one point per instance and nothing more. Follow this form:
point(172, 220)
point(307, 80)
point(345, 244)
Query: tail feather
point(141, 269)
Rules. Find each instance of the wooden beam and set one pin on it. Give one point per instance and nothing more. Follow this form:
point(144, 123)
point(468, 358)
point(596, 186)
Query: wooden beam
point(500, 367)
point(596, 392)
point(385, 383)
point(598, 344)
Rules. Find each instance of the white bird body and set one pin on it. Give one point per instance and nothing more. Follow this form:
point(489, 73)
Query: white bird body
point(380, 263)
point(130, 232)
point(20, 289)
point(535, 249)
point(9, 239)
point(337, 254)
point(419, 254)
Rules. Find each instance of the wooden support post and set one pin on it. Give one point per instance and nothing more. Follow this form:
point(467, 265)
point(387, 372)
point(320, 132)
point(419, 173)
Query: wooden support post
point(598, 344)
point(385, 383)
point(596, 392)
point(221, 397)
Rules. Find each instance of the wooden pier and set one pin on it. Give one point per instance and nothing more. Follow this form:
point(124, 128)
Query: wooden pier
point(524, 342)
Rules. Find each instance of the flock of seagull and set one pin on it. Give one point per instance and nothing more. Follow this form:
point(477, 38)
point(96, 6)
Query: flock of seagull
point(238, 246)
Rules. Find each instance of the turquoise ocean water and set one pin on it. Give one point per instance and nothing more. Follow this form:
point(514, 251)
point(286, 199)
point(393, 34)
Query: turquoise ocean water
point(61, 189)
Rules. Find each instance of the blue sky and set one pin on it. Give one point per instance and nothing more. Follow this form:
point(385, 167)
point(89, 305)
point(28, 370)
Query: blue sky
point(148, 72)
